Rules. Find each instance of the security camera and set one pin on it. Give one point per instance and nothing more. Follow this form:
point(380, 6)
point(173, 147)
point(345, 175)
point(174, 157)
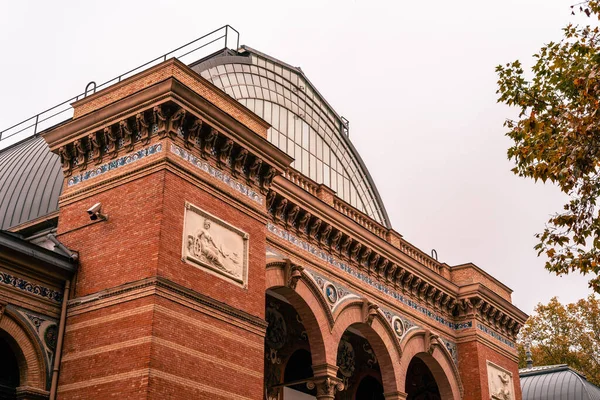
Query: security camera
point(95, 212)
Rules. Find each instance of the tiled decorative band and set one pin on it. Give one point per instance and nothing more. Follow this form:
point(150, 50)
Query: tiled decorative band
point(115, 164)
point(495, 335)
point(29, 287)
point(218, 174)
point(365, 278)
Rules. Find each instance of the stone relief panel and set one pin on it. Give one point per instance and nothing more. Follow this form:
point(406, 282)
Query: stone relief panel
point(500, 382)
point(215, 245)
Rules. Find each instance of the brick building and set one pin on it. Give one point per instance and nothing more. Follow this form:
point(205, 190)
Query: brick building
point(207, 230)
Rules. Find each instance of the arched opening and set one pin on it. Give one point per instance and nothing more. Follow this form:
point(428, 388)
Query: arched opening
point(9, 371)
point(358, 367)
point(420, 383)
point(288, 359)
point(369, 388)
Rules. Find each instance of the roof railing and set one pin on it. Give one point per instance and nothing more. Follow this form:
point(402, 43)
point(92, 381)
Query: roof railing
point(47, 118)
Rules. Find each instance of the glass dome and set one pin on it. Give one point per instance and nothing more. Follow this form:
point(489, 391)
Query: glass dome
point(303, 124)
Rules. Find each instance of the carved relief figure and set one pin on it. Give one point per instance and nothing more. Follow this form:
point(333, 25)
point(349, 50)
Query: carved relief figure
point(203, 246)
point(291, 217)
point(80, 154)
point(110, 138)
point(253, 171)
point(268, 179)
point(127, 135)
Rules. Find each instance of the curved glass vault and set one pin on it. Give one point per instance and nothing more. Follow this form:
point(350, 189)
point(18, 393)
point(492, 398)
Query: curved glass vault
point(303, 124)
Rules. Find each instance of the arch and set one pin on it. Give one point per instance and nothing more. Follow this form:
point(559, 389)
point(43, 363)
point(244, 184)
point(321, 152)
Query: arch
point(424, 345)
point(380, 337)
point(309, 306)
point(29, 355)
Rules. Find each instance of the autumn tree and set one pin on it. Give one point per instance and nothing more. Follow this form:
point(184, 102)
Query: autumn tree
point(564, 334)
point(557, 138)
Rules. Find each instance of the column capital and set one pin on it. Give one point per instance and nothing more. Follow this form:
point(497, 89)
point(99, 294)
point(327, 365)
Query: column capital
point(326, 386)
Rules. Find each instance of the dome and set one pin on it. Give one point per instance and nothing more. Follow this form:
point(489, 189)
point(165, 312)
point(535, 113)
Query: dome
point(303, 124)
point(31, 182)
point(556, 382)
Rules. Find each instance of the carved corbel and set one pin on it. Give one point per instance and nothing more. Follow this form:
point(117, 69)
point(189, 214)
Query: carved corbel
point(238, 162)
point(407, 281)
point(369, 312)
point(451, 305)
point(335, 240)
point(355, 250)
point(81, 153)
point(253, 171)
point(415, 286)
point(327, 386)
point(430, 294)
point(270, 199)
point(438, 300)
point(280, 209)
point(127, 135)
point(431, 340)
point(382, 268)
point(143, 127)
point(111, 140)
point(293, 275)
point(314, 229)
point(225, 152)
point(267, 179)
point(95, 148)
point(291, 216)
point(345, 246)
point(390, 274)
point(176, 122)
point(364, 258)
point(160, 120)
point(423, 290)
point(325, 235)
point(193, 134)
point(374, 263)
point(303, 222)
point(65, 159)
point(209, 143)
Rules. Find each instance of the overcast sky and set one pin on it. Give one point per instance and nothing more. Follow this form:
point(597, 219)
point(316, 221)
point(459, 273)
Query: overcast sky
point(415, 79)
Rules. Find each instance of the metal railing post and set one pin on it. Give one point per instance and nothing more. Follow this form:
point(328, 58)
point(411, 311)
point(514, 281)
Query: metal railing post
point(37, 117)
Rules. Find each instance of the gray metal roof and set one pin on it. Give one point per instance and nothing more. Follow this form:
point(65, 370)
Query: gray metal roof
point(554, 382)
point(30, 182)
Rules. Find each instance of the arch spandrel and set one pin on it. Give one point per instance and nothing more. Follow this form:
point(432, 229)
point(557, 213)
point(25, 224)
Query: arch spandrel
point(427, 347)
point(377, 331)
point(307, 302)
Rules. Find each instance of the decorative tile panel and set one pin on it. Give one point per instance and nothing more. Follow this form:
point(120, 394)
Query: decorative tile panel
point(495, 335)
point(333, 292)
point(347, 269)
point(115, 164)
point(217, 174)
point(29, 287)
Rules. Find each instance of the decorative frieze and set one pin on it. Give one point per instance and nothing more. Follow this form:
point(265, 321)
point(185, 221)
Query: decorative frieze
point(495, 335)
point(115, 164)
point(30, 287)
point(217, 174)
point(366, 278)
